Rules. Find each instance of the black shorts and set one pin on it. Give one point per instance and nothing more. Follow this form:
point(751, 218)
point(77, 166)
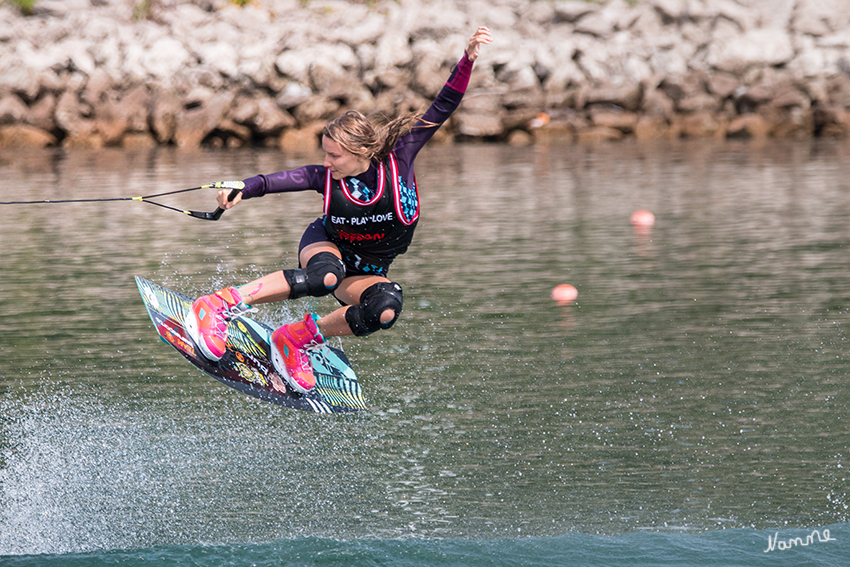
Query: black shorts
point(355, 264)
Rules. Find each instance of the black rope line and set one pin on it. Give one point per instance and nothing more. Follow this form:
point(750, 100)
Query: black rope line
point(215, 215)
point(143, 198)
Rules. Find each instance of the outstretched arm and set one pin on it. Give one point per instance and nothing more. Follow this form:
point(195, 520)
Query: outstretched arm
point(443, 106)
point(449, 98)
point(304, 178)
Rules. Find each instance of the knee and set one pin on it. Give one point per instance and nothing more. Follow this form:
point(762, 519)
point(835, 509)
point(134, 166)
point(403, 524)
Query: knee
point(321, 276)
point(380, 306)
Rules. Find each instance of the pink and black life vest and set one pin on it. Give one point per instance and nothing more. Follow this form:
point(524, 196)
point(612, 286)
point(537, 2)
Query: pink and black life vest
point(371, 225)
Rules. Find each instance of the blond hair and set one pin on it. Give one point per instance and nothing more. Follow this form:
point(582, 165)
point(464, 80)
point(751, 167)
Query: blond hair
point(356, 134)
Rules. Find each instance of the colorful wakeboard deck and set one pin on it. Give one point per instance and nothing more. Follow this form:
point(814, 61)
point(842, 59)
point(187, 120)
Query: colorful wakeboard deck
point(246, 365)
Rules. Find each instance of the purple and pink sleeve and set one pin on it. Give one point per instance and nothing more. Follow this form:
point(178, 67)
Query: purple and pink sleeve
point(459, 78)
point(440, 110)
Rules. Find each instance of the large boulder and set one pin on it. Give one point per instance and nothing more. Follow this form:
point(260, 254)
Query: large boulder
point(761, 47)
point(17, 136)
point(204, 112)
point(261, 114)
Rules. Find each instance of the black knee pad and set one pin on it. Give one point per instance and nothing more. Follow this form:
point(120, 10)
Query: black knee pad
point(365, 319)
point(310, 280)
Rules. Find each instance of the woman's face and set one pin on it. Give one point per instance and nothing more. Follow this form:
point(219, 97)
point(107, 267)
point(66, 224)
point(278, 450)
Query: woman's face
point(341, 162)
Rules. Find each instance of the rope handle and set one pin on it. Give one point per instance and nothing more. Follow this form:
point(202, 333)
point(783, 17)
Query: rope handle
point(236, 188)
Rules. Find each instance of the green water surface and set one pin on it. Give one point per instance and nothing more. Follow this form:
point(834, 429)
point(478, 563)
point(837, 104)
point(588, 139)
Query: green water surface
point(698, 382)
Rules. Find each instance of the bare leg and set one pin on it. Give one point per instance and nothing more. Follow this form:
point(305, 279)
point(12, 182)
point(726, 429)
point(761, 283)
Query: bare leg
point(274, 287)
point(267, 289)
point(349, 291)
point(334, 324)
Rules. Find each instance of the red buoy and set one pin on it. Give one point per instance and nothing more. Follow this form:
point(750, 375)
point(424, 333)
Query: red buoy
point(564, 293)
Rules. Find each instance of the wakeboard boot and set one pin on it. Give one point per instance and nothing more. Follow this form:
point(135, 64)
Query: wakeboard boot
point(290, 356)
point(206, 321)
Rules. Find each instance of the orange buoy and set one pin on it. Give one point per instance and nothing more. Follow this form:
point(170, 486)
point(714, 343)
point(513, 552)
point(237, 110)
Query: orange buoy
point(564, 293)
point(642, 219)
point(539, 121)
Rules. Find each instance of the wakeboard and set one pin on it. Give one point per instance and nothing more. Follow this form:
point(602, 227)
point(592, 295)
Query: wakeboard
point(247, 366)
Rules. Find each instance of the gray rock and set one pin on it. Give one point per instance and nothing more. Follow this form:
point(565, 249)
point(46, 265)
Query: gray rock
point(260, 113)
point(292, 95)
point(19, 136)
point(758, 47)
point(72, 116)
point(477, 124)
point(220, 56)
point(12, 110)
point(195, 123)
point(110, 72)
point(165, 108)
point(573, 10)
point(316, 108)
point(41, 113)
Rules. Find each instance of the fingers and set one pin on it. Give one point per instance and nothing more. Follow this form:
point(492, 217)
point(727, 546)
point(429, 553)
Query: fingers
point(224, 203)
point(483, 32)
point(481, 37)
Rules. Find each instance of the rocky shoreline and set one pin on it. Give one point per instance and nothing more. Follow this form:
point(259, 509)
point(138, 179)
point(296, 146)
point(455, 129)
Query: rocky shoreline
point(270, 73)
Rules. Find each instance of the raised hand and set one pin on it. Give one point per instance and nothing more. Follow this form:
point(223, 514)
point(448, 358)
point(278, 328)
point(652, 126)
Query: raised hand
point(481, 37)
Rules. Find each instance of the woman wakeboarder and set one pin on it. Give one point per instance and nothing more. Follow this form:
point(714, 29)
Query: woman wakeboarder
point(371, 208)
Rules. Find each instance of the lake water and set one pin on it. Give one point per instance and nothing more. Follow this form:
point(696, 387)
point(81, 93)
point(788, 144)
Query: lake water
point(690, 407)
